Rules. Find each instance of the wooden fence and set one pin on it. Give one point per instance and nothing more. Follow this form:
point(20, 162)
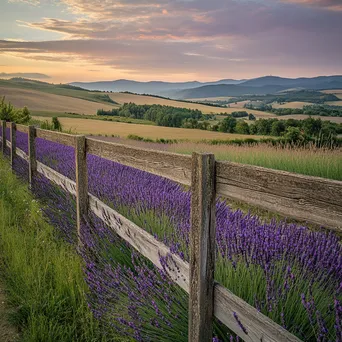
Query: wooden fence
point(312, 199)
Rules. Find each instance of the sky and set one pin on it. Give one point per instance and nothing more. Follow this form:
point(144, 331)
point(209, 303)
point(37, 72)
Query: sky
point(170, 40)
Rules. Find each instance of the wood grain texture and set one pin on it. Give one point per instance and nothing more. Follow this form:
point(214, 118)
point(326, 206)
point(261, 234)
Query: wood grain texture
point(169, 165)
point(13, 139)
point(32, 153)
point(58, 137)
point(22, 128)
point(258, 326)
point(202, 248)
point(81, 181)
point(3, 134)
point(312, 199)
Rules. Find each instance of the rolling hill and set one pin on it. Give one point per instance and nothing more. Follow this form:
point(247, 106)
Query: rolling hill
point(37, 100)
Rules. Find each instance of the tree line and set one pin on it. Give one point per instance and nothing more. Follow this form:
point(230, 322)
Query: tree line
point(314, 110)
point(291, 129)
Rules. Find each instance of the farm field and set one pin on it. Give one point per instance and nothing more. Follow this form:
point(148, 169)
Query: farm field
point(41, 101)
point(336, 119)
point(295, 104)
point(141, 100)
point(124, 288)
point(211, 99)
point(56, 89)
point(336, 92)
point(334, 103)
point(95, 127)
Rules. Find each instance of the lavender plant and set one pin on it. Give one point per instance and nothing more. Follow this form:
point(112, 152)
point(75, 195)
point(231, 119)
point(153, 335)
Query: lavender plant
point(288, 272)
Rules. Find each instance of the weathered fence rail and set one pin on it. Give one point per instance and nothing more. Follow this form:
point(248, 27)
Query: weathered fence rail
point(313, 199)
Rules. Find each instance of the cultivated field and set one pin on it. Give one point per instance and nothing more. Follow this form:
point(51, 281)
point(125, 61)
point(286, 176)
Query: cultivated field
point(149, 100)
point(95, 127)
point(334, 103)
point(336, 119)
point(294, 104)
point(41, 101)
point(211, 99)
point(336, 92)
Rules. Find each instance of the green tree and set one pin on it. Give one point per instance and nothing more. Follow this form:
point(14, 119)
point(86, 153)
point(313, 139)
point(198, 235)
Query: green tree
point(242, 127)
point(56, 124)
point(228, 125)
point(277, 128)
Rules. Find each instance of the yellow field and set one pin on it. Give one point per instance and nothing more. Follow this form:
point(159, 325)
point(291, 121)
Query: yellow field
point(40, 101)
point(337, 92)
point(95, 127)
point(335, 103)
point(149, 100)
point(294, 104)
point(303, 116)
point(218, 98)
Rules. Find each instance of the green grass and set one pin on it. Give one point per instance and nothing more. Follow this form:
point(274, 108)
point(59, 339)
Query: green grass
point(42, 275)
point(307, 161)
point(92, 117)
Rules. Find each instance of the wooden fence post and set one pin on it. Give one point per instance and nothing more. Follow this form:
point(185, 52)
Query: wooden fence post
point(32, 154)
point(13, 142)
point(3, 130)
point(202, 248)
point(81, 182)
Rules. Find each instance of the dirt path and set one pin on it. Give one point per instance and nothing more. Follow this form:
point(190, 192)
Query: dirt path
point(8, 333)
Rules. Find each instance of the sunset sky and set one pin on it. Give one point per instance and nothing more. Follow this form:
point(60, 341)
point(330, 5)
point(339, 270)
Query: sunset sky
point(170, 40)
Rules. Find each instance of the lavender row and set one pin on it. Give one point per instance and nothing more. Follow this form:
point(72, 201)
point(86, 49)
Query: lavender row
point(290, 273)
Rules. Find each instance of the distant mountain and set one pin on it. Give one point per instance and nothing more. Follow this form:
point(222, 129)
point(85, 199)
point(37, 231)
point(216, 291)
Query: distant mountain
point(261, 86)
point(225, 87)
point(226, 90)
point(320, 82)
point(152, 87)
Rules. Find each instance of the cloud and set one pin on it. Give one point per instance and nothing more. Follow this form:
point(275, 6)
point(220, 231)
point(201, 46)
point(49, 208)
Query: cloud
point(24, 75)
point(333, 5)
point(191, 36)
point(30, 2)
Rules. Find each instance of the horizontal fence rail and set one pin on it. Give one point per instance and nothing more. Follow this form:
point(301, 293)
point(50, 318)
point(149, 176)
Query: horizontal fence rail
point(259, 327)
point(168, 165)
point(314, 199)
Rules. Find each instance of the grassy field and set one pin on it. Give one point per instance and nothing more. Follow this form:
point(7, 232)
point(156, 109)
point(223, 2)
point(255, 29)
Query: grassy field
point(40, 101)
point(141, 99)
point(334, 103)
point(56, 89)
point(294, 104)
point(336, 119)
point(96, 127)
point(42, 274)
point(337, 92)
point(211, 99)
point(309, 161)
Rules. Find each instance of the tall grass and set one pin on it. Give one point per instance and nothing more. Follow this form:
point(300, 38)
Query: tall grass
point(321, 162)
point(311, 160)
point(42, 275)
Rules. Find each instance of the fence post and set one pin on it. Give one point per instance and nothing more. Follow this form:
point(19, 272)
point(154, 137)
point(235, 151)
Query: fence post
point(13, 129)
point(202, 248)
point(3, 130)
point(32, 154)
point(81, 182)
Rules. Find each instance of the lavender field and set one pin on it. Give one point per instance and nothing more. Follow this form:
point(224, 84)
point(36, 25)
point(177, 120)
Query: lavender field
point(288, 272)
